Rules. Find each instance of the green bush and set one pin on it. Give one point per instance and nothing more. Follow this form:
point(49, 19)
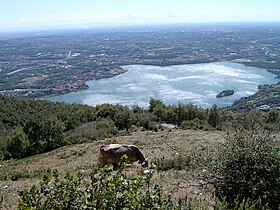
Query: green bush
point(17, 143)
point(124, 118)
point(144, 119)
point(195, 124)
point(187, 112)
point(273, 117)
point(241, 119)
point(44, 133)
point(106, 189)
point(158, 108)
point(106, 111)
point(103, 128)
point(178, 162)
point(214, 117)
point(248, 170)
point(153, 126)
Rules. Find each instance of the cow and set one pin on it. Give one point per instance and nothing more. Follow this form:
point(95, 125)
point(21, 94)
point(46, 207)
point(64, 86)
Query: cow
point(111, 154)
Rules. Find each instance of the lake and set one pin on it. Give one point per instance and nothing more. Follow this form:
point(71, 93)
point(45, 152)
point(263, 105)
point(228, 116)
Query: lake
point(192, 83)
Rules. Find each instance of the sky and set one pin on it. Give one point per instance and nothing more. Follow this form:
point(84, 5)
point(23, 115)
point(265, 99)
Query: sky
point(36, 14)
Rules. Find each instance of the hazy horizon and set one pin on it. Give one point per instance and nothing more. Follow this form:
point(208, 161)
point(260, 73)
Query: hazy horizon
point(20, 15)
point(152, 26)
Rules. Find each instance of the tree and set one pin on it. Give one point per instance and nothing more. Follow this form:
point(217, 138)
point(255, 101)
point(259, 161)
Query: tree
point(45, 134)
point(106, 111)
point(144, 119)
point(17, 143)
point(158, 108)
point(124, 118)
point(213, 119)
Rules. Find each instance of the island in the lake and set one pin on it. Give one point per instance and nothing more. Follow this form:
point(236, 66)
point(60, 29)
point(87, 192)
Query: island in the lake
point(225, 93)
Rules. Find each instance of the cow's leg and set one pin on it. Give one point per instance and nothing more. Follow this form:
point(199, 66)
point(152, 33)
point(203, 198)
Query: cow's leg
point(115, 166)
point(102, 162)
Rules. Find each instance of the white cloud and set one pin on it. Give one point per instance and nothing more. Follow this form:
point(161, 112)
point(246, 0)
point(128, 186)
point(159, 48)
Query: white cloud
point(80, 19)
point(94, 18)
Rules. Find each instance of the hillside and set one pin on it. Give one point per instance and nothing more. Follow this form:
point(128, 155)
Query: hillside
point(79, 158)
point(178, 154)
point(190, 161)
point(268, 95)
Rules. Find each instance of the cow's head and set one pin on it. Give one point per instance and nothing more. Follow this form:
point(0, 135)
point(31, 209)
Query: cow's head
point(144, 163)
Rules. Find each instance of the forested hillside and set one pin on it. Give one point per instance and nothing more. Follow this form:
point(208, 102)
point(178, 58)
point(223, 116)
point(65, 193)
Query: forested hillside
point(41, 126)
point(17, 111)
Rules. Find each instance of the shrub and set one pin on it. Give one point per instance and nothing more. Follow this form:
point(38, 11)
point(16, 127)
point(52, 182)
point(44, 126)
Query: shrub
point(17, 143)
point(103, 128)
point(106, 111)
point(144, 119)
point(248, 170)
point(44, 133)
point(214, 117)
point(106, 189)
point(273, 117)
point(241, 119)
point(158, 108)
point(178, 162)
point(186, 112)
point(124, 118)
point(153, 126)
point(195, 124)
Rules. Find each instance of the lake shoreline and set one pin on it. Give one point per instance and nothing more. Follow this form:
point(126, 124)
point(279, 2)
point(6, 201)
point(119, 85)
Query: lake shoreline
point(84, 85)
point(157, 77)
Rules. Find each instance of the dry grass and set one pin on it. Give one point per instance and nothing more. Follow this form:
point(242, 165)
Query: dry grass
point(80, 157)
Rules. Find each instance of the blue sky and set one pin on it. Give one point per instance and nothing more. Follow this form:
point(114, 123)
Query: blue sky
point(32, 14)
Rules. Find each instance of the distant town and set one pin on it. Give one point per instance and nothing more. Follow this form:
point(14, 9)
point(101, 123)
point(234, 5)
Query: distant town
point(40, 64)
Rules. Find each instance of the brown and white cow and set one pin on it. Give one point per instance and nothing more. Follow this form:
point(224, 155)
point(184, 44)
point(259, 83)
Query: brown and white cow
point(111, 154)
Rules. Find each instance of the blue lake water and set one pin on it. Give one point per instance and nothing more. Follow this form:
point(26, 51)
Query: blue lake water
point(193, 83)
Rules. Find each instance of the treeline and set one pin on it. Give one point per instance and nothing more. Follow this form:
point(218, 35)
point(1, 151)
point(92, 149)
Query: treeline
point(29, 127)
